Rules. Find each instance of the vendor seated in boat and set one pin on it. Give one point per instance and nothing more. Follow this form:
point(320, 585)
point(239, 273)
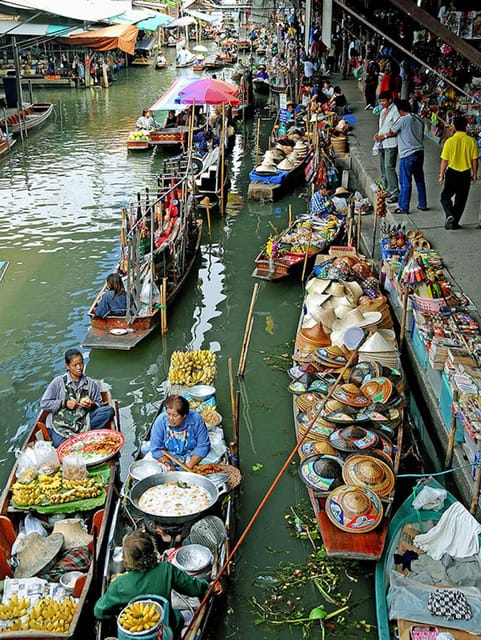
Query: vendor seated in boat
point(74, 402)
point(161, 59)
point(147, 575)
point(170, 121)
point(321, 202)
point(181, 432)
point(205, 141)
point(114, 300)
point(338, 102)
point(262, 72)
point(145, 121)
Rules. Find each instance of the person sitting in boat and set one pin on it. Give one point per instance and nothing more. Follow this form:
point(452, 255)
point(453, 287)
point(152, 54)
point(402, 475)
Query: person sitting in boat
point(170, 120)
point(74, 402)
point(114, 300)
point(262, 72)
point(321, 202)
point(146, 574)
point(161, 59)
point(181, 432)
point(338, 102)
point(171, 41)
point(182, 56)
point(145, 121)
point(205, 141)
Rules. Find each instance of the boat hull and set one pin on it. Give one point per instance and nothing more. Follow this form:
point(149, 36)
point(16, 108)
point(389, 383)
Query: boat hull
point(27, 119)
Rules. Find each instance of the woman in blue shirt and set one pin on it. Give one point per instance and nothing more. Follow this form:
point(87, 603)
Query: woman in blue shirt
point(181, 432)
point(114, 300)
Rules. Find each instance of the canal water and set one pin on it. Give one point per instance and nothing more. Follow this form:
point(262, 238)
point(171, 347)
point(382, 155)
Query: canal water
point(61, 193)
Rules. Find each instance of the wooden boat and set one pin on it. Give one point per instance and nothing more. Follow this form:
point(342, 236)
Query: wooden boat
point(213, 64)
point(95, 512)
point(170, 137)
point(161, 65)
point(285, 255)
point(261, 85)
point(397, 579)
point(273, 186)
point(127, 517)
point(6, 143)
point(160, 243)
point(226, 59)
point(244, 45)
point(142, 61)
point(137, 141)
point(28, 118)
point(188, 60)
point(357, 536)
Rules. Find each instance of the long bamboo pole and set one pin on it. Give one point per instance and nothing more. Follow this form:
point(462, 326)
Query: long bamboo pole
point(290, 215)
point(269, 492)
point(258, 135)
point(222, 168)
point(452, 433)
point(306, 257)
point(476, 491)
point(358, 230)
point(164, 305)
point(247, 332)
point(402, 331)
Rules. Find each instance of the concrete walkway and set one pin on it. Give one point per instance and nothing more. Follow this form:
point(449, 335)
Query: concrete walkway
point(460, 249)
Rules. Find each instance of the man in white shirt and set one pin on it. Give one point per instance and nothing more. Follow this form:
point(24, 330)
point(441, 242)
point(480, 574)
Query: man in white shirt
point(389, 148)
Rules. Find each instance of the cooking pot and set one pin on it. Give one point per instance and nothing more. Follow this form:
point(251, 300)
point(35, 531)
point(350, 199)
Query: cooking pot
point(138, 490)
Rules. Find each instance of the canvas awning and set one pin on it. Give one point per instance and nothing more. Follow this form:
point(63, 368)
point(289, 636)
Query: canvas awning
point(185, 21)
point(16, 28)
point(85, 10)
point(170, 99)
point(119, 36)
point(205, 17)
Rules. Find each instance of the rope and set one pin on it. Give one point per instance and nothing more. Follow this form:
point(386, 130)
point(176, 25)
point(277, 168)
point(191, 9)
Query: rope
point(439, 473)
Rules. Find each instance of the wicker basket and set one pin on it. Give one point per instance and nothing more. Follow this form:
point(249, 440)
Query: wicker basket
point(339, 144)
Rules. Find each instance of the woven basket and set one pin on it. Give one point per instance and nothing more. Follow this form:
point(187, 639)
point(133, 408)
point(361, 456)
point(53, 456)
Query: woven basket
point(339, 144)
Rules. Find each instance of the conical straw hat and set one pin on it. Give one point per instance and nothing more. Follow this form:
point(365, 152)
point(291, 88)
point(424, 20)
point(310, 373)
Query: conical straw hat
point(377, 344)
point(73, 533)
point(318, 285)
point(36, 552)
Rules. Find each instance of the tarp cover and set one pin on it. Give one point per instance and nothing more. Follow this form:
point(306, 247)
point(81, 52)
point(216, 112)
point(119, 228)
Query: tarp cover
point(119, 36)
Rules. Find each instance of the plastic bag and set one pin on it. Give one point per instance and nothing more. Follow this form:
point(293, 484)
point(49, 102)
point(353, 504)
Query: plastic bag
point(30, 524)
point(147, 286)
point(429, 498)
point(47, 460)
point(26, 466)
point(74, 467)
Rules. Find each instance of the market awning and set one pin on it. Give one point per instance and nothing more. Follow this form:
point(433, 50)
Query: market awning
point(171, 99)
point(16, 28)
point(185, 21)
point(85, 10)
point(151, 24)
point(205, 17)
point(123, 37)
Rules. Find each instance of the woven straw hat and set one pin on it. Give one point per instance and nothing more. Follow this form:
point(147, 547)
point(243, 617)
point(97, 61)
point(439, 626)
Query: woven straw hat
point(322, 473)
point(370, 473)
point(354, 438)
point(267, 167)
point(73, 533)
point(350, 394)
point(356, 318)
point(286, 165)
point(318, 285)
point(354, 509)
point(35, 553)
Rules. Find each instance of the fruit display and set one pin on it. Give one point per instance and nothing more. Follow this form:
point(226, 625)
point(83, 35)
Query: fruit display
point(48, 490)
point(137, 135)
point(46, 614)
point(192, 367)
point(381, 207)
point(139, 616)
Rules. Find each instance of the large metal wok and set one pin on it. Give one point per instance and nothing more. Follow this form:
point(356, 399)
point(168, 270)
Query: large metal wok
point(138, 490)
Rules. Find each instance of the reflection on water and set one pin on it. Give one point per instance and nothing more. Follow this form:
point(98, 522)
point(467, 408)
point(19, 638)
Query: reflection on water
point(61, 193)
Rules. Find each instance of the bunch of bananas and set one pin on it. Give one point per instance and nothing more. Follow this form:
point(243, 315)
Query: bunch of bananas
point(139, 616)
point(55, 490)
point(15, 608)
point(192, 367)
point(48, 614)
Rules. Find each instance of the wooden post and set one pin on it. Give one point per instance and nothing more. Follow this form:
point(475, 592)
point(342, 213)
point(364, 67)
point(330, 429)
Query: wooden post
point(257, 140)
point(452, 432)
point(222, 168)
point(306, 257)
point(290, 215)
point(403, 317)
point(374, 234)
point(206, 202)
point(163, 302)
point(358, 230)
point(247, 332)
point(476, 490)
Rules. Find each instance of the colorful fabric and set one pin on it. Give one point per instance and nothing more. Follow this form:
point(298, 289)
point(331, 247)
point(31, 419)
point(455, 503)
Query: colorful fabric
point(74, 559)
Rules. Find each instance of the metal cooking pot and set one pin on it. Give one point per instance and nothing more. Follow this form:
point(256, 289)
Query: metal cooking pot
point(138, 490)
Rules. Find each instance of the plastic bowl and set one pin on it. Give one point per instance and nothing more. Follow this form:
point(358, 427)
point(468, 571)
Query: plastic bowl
point(69, 579)
point(201, 391)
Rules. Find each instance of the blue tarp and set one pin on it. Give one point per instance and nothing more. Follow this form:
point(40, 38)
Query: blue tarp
point(275, 178)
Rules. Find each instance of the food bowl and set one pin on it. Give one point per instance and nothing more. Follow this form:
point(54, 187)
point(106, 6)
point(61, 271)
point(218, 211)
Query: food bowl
point(69, 579)
point(141, 469)
point(201, 391)
point(193, 558)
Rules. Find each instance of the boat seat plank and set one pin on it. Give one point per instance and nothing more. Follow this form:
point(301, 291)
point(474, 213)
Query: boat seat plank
point(97, 338)
point(361, 546)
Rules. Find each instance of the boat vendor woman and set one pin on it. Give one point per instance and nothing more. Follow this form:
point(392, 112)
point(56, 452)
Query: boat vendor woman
point(74, 402)
point(180, 431)
point(321, 202)
point(145, 121)
point(146, 575)
point(114, 300)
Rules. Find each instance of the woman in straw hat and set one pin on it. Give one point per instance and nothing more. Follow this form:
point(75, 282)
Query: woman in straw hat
point(147, 575)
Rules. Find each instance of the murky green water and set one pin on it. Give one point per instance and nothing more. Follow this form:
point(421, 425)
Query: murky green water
point(61, 194)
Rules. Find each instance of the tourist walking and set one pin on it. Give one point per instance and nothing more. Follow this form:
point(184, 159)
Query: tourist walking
point(388, 145)
point(371, 79)
point(409, 130)
point(459, 168)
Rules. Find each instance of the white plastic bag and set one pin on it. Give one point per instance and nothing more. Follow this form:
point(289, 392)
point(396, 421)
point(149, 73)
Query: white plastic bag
point(430, 498)
point(30, 524)
point(147, 286)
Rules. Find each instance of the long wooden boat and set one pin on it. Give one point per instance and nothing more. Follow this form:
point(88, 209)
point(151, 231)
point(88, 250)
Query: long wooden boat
point(261, 85)
point(28, 118)
point(285, 255)
point(94, 512)
point(161, 240)
point(271, 187)
point(128, 518)
point(396, 576)
point(161, 65)
point(365, 437)
point(213, 64)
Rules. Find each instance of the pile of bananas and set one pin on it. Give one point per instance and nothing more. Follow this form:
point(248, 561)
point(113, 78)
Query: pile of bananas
point(55, 490)
point(46, 614)
point(15, 608)
point(139, 616)
point(192, 367)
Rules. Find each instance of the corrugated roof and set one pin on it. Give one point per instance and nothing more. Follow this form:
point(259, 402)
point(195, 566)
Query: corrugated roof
point(86, 10)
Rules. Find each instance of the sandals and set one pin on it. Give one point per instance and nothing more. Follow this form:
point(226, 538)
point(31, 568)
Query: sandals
point(417, 240)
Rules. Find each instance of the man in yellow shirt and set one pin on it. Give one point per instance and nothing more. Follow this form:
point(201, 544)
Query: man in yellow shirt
point(459, 168)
